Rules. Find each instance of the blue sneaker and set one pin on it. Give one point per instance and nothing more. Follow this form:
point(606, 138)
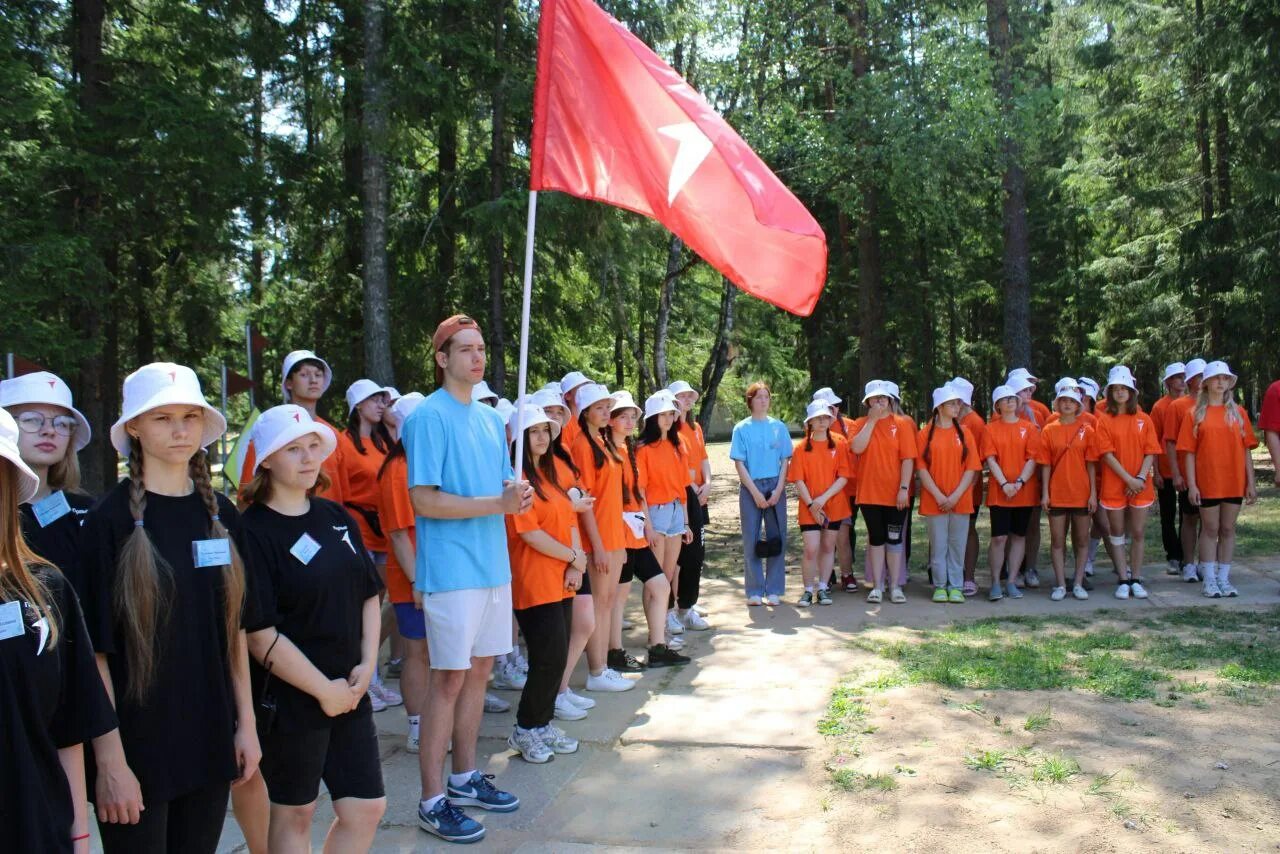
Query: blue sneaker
point(996, 594)
point(1013, 592)
point(450, 823)
point(479, 792)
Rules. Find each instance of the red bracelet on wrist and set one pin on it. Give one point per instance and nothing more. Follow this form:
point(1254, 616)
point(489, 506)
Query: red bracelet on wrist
point(78, 838)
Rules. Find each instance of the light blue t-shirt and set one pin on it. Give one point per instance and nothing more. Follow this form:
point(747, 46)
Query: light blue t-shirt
point(462, 449)
point(761, 445)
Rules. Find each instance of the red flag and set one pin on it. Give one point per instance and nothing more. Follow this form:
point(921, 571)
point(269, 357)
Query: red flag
point(257, 341)
point(22, 367)
point(614, 123)
point(237, 383)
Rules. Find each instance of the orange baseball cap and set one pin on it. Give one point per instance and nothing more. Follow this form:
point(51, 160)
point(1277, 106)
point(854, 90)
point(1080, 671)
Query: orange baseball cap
point(451, 327)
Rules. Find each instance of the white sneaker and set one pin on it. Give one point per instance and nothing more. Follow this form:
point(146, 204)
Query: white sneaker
point(584, 703)
point(875, 596)
point(495, 705)
point(673, 623)
point(693, 620)
point(506, 676)
point(674, 642)
point(1174, 567)
point(1079, 592)
point(896, 596)
point(556, 739)
point(1122, 590)
point(1088, 570)
point(388, 695)
point(700, 608)
point(379, 704)
point(609, 681)
point(520, 662)
point(567, 710)
point(1058, 594)
point(1191, 573)
point(772, 599)
point(754, 600)
point(1225, 585)
point(530, 746)
point(1138, 591)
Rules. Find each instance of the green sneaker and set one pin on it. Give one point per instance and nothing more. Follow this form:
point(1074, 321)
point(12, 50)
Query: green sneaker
point(955, 596)
point(940, 594)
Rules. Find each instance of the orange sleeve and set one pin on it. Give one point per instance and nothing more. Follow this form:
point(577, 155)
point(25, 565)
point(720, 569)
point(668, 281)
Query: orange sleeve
point(922, 439)
point(1106, 442)
point(974, 461)
point(1172, 423)
point(1250, 437)
point(1151, 441)
point(1187, 443)
point(907, 441)
point(395, 508)
point(989, 448)
point(581, 454)
point(795, 469)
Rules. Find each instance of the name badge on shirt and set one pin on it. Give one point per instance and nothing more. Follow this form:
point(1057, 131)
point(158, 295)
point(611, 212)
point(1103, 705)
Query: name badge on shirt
point(305, 549)
point(11, 623)
point(211, 552)
point(51, 508)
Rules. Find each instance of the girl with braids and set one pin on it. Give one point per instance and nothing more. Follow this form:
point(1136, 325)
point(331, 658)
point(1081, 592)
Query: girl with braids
point(948, 462)
point(1217, 439)
point(600, 469)
point(820, 467)
point(547, 564)
point(313, 625)
point(1069, 487)
point(168, 588)
point(975, 427)
point(53, 698)
point(663, 460)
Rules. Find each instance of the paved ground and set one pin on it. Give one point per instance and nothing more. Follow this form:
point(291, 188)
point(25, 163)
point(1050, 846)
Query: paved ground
point(722, 754)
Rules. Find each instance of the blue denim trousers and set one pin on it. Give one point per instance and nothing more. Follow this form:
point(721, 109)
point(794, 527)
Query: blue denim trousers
point(764, 576)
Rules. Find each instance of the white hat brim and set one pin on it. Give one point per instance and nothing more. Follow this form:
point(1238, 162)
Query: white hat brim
point(328, 439)
point(84, 433)
point(28, 481)
point(214, 422)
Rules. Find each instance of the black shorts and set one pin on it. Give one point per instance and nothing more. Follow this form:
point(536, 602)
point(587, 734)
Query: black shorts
point(1214, 502)
point(345, 755)
point(642, 564)
point(1068, 511)
point(1185, 507)
point(584, 586)
point(830, 526)
point(884, 524)
point(1009, 521)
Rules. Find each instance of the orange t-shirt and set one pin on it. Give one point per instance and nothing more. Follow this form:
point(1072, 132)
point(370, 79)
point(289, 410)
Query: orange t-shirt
point(1086, 417)
point(1130, 438)
point(358, 485)
point(1012, 445)
point(1171, 426)
point(536, 578)
point(1220, 450)
point(665, 470)
point(630, 502)
point(330, 467)
point(879, 464)
point(818, 469)
point(1158, 414)
point(1042, 413)
point(605, 485)
point(974, 426)
point(395, 513)
point(696, 443)
point(851, 428)
point(1067, 450)
point(569, 432)
point(949, 459)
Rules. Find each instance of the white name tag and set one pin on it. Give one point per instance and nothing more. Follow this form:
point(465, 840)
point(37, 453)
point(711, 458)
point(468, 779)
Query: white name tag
point(211, 552)
point(305, 549)
point(11, 625)
point(635, 521)
point(51, 508)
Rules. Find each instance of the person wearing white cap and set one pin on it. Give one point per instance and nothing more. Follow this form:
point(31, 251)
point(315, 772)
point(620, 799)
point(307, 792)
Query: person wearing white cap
point(664, 462)
point(886, 451)
point(947, 463)
point(53, 699)
point(305, 377)
point(1128, 442)
point(1170, 428)
point(51, 432)
point(820, 466)
point(1069, 488)
point(163, 598)
point(759, 448)
point(313, 627)
point(396, 516)
point(976, 426)
point(692, 554)
point(485, 395)
point(1011, 449)
point(569, 387)
point(1217, 440)
point(1174, 381)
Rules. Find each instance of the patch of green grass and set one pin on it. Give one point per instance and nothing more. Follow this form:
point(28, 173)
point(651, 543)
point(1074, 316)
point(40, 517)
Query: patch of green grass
point(976, 707)
point(849, 780)
point(1189, 687)
point(1039, 721)
point(1055, 768)
point(987, 760)
point(846, 712)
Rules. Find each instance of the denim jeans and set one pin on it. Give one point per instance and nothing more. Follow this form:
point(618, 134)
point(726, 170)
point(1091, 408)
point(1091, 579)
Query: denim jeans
point(770, 578)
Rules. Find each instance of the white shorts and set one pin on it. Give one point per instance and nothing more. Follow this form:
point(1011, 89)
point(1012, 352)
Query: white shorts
point(466, 624)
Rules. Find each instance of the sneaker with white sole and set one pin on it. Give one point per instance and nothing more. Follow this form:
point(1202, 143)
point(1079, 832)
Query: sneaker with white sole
point(673, 624)
point(1136, 588)
point(875, 596)
point(693, 621)
point(379, 704)
point(1211, 589)
point(1122, 590)
point(805, 600)
point(449, 823)
point(1191, 573)
point(1227, 588)
point(609, 682)
point(567, 710)
point(507, 677)
point(479, 792)
point(1088, 569)
point(700, 608)
point(824, 596)
point(772, 599)
point(556, 739)
point(754, 600)
point(1058, 594)
point(1079, 592)
point(896, 596)
point(495, 705)
point(1012, 591)
point(1175, 567)
point(520, 662)
point(996, 593)
point(581, 702)
point(388, 695)
point(1032, 579)
point(530, 746)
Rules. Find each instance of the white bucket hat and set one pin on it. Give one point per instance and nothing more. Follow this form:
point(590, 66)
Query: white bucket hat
point(164, 384)
point(892, 389)
point(44, 387)
point(1121, 375)
point(545, 397)
point(1065, 383)
point(817, 408)
point(875, 388)
point(680, 387)
point(481, 392)
point(1219, 369)
point(360, 391)
point(1195, 368)
point(280, 425)
point(1000, 392)
point(623, 400)
point(965, 388)
point(1069, 394)
point(392, 394)
point(1020, 384)
point(404, 406)
point(1090, 387)
point(28, 481)
point(826, 394)
point(506, 409)
point(291, 361)
point(1173, 369)
point(944, 393)
point(1021, 374)
point(591, 393)
point(658, 403)
point(532, 416)
point(572, 380)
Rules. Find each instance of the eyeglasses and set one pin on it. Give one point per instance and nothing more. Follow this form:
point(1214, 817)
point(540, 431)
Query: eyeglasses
point(33, 422)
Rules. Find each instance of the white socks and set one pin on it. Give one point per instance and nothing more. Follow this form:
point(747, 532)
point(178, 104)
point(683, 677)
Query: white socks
point(1210, 571)
point(459, 779)
point(415, 726)
point(1224, 573)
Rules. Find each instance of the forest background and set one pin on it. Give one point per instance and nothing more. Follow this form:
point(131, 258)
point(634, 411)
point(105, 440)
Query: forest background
point(1063, 185)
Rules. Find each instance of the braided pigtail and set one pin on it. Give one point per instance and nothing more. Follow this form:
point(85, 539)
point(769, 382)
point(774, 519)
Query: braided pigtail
point(928, 439)
point(233, 572)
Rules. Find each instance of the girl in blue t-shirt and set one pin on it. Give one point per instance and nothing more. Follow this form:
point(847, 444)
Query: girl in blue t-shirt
point(759, 450)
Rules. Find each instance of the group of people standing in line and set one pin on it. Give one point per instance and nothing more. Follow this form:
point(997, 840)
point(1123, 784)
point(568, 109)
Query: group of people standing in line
point(204, 651)
point(1095, 464)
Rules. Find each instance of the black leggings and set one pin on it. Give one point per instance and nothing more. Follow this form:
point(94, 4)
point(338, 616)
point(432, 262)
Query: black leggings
point(1170, 521)
point(692, 555)
point(189, 824)
point(546, 634)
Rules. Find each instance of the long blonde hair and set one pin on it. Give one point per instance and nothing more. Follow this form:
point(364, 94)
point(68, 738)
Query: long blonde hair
point(1202, 407)
point(17, 581)
point(144, 581)
point(65, 474)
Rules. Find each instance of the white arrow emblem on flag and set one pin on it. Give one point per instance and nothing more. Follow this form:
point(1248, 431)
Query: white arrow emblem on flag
point(694, 148)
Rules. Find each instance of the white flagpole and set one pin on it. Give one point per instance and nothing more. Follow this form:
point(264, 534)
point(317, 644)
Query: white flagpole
point(518, 429)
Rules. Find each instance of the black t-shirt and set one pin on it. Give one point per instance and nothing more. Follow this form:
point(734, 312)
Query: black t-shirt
point(181, 736)
point(317, 605)
point(50, 698)
point(59, 542)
